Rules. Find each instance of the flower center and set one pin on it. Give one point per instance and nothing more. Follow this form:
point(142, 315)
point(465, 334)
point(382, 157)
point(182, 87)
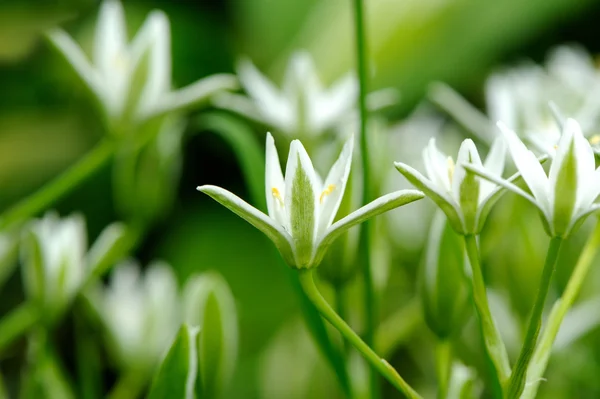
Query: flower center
point(326, 192)
point(277, 195)
point(595, 139)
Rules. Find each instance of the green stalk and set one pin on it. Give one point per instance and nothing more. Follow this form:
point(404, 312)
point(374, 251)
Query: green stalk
point(491, 336)
point(129, 385)
point(542, 352)
point(443, 357)
point(365, 234)
point(381, 365)
point(17, 323)
point(519, 376)
point(59, 187)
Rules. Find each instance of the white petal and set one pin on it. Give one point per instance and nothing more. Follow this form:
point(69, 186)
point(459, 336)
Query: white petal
point(272, 104)
point(335, 104)
point(466, 154)
point(436, 166)
point(530, 168)
point(500, 103)
point(374, 208)
point(73, 53)
point(334, 187)
point(270, 227)
point(301, 75)
point(195, 93)
point(274, 184)
point(110, 39)
point(494, 163)
point(586, 164)
point(239, 104)
point(157, 33)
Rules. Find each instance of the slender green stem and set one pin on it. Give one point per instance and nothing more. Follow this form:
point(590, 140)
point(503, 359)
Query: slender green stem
point(58, 187)
point(381, 365)
point(443, 352)
point(491, 336)
point(365, 235)
point(130, 385)
point(519, 375)
point(560, 309)
point(17, 323)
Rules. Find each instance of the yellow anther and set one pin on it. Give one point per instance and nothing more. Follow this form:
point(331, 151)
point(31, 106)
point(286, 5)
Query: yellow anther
point(595, 139)
point(276, 194)
point(326, 192)
point(450, 168)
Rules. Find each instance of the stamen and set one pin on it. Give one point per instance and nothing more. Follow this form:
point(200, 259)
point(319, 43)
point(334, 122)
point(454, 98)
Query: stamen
point(326, 192)
point(595, 139)
point(276, 194)
point(450, 168)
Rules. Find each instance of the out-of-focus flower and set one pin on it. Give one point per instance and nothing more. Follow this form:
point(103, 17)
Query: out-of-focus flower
point(519, 97)
point(567, 195)
point(132, 81)
point(302, 108)
point(141, 313)
point(209, 304)
point(302, 208)
point(56, 261)
point(465, 200)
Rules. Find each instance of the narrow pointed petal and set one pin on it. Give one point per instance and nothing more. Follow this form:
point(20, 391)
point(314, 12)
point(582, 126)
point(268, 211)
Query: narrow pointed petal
point(529, 166)
point(75, 56)
point(372, 209)
point(239, 104)
point(274, 184)
point(270, 101)
point(334, 187)
point(441, 198)
point(256, 218)
point(494, 163)
point(436, 166)
point(336, 103)
point(465, 186)
point(586, 165)
point(110, 39)
point(301, 195)
point(195, 93)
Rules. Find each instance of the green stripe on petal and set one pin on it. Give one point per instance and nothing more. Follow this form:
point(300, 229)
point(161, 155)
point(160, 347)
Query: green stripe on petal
point(565, 193)
point(302, 215)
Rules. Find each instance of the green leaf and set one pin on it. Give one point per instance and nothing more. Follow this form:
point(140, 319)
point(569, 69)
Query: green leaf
point(177, 372)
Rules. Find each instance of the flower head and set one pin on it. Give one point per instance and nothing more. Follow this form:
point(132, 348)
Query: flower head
point(132, 81)
point(565, 196)
point(301, 207)
point(302, 107)
point(465, 200)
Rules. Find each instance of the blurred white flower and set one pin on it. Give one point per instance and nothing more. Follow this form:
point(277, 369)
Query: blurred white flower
point(141, 313)
point(564, 197)
point(132, 80)
point(302, 207)
point(464, 199)
point(56, 260)
point(520, 98)
point(302, 108)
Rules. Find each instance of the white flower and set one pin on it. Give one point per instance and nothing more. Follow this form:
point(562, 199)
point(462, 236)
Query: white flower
point(56, 260)
point(564, 197)
point(302, 107)
point(141, 313)
point(302, 208)
point(465, 200)
point(132, 81)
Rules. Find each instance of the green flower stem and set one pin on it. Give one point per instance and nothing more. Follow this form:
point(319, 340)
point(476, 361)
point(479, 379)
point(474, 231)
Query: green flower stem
point(57, 188)
point(541, 355)
point(519, 375)
point(129, 385)
point(381, 365)
point(365, 234)
point(17, 323)
point(443, 352)
point(491, 336)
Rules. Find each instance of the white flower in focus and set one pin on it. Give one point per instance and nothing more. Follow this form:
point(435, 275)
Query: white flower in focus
point(465, 200)
point(301, 207)
point(302, 107)
point(564, 197)
point(141, 312)
point(132, 80)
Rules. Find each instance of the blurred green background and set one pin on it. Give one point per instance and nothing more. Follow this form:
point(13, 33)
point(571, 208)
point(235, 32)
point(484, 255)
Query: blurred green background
point(47, 122)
